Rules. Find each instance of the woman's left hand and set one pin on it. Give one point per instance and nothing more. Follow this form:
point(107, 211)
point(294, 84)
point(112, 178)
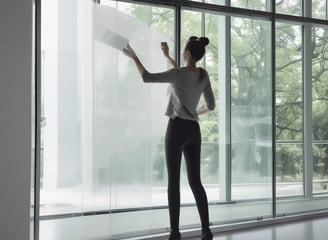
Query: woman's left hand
point(128, 51)
point(165, 49)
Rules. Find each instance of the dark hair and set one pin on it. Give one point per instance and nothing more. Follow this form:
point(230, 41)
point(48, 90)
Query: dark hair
point(196, 47)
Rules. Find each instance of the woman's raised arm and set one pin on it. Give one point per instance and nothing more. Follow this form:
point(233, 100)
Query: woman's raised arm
point(128, 51)
point(165, 49)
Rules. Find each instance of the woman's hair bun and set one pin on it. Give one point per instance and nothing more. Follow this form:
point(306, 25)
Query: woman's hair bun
point(204, 41)
point(196, 46)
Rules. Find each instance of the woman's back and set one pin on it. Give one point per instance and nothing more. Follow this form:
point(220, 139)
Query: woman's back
point(187, 88)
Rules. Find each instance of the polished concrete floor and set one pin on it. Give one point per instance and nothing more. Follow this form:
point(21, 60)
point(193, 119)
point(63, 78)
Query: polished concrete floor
point(311, 229)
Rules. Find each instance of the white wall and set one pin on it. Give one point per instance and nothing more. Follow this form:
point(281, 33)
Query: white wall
point(16, 41)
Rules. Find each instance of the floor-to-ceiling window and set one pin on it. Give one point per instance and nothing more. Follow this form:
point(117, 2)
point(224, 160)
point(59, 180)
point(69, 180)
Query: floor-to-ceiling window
point(103, 172)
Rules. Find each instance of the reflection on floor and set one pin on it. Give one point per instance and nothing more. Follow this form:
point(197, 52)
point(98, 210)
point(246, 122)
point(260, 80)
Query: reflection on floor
point(312, 229)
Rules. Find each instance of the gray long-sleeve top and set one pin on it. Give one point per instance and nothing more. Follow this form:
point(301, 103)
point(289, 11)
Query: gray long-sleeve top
point(187, 88)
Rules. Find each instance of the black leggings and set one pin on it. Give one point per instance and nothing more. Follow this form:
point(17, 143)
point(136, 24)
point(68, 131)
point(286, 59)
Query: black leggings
point(183, 136)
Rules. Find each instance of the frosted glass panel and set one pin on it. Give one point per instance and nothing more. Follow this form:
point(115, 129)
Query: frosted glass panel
point(129, 119)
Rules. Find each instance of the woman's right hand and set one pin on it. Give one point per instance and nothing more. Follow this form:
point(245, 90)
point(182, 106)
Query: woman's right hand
point(128, 51)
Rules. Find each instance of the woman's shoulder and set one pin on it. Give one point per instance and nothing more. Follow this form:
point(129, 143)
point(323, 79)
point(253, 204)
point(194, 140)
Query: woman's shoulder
point(202, 70)
point(203, 74)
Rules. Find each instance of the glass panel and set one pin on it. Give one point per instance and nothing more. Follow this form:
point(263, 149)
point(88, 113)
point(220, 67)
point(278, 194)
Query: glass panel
point(289, 110)
point(320, 168)
point(289, 169)
point(319, 81)
point(319, 9)
point(290, 7)
point(263, 5)
point(192, 26)
point(60, 132)
point(320, 109)
point(251, 109)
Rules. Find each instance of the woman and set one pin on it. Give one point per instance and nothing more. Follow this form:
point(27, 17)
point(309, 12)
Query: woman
point(183, 132)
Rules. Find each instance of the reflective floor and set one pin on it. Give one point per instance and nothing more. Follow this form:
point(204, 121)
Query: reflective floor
point(312, 229)
point(116, 226)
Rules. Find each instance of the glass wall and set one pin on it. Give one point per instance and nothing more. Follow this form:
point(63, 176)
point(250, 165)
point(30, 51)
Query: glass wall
point(102, 128)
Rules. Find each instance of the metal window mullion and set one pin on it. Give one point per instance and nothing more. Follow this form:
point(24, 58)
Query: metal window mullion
point(326, 12)
point(307, 103)
point(37, 150)
point(225, 110)
point(273, 76)
point(203, 30)
point(178, 34)
point(228, 109)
